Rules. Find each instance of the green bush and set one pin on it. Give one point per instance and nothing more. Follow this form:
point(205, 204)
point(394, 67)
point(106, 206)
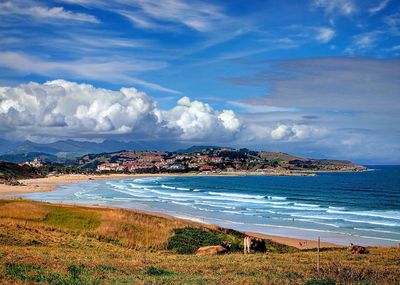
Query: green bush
point(188, 240)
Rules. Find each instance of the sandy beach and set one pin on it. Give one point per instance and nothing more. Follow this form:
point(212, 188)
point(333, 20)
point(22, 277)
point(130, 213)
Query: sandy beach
point(50, 183)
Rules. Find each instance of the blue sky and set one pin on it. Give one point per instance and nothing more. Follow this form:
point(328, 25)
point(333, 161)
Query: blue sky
point(316, 78)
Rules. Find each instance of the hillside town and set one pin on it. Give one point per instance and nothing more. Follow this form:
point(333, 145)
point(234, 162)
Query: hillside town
point(210, 159)
point(196, 159)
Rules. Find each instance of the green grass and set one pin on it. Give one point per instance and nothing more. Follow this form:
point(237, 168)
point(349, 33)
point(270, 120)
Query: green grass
point(77, 274)
point(156, 271)
point(74, 219)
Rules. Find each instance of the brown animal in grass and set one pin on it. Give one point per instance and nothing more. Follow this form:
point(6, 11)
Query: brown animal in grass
point(215, 249)
point(357, 249)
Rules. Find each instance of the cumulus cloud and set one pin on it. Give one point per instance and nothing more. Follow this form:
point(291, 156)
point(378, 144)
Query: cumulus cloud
point(199, 120)
point(62, 108)
point(297, 132)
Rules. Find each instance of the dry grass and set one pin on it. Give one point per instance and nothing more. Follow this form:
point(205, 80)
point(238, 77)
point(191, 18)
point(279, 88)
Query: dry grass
point(136, 230)
point(38, 252)
point(23, 210)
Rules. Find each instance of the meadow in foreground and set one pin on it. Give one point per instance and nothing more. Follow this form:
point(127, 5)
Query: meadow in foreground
point(55, 244)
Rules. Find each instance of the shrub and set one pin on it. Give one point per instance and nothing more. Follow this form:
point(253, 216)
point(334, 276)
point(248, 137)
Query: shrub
point(188, 240)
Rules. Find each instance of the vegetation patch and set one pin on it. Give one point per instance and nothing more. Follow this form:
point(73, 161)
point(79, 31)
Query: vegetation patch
point(320, 281)
point(52, 259)
point(275, 247)
point(74, 219)
point(188, 240)
point(156, 271)
point(23, 210)
point(30, 273)
point(25, 272)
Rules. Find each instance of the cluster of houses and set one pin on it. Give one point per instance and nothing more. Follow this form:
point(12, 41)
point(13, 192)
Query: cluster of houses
point(159, 162)
point(36, 163)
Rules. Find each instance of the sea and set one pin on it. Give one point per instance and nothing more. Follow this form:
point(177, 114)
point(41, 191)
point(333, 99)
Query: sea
point(357, 207)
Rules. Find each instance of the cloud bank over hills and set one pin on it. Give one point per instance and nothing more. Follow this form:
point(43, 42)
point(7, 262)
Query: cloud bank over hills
point(64, 109)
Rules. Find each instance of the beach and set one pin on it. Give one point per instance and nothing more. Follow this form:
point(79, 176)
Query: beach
point(50, 183)
point(301, 208)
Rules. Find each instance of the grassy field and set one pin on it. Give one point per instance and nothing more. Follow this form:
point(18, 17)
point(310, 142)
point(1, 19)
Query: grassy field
point(50, 244)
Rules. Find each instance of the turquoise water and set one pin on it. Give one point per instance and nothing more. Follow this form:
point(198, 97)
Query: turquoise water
point(362, 208)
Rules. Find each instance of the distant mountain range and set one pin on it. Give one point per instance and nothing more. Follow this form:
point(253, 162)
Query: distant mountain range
point(61, 150)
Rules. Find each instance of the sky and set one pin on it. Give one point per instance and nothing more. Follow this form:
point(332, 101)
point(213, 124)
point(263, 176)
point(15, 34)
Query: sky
point(316, 78)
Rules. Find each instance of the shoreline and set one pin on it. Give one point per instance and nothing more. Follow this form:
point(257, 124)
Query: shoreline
point(46, 184)
point(50, 183)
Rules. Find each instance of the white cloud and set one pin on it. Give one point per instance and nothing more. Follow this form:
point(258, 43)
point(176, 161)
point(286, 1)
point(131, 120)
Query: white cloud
point(343, 7)
point(281, 132)
point(325, 35)
point(199, 120)
point(148, 14)
point(297, 132)
point(393, 23)
point(258, 108)
point(31, 9)
point(362, 42)
point(229, 120)
point(382, 5)
point(105, 70)
point(62, 108)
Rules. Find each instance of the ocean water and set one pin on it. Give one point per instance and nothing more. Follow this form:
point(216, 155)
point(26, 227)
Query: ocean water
point(362, 207)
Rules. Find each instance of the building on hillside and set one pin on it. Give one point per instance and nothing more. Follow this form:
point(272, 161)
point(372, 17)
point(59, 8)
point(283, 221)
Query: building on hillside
point(161, 164)
point(138, 165)
point(207, 168)
point(183, 157)
point(177, 167)
point(106, 166)
point(216, 159)
point(151, 158)
point(121, 168)
point(203, 159)
point(36, 162)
